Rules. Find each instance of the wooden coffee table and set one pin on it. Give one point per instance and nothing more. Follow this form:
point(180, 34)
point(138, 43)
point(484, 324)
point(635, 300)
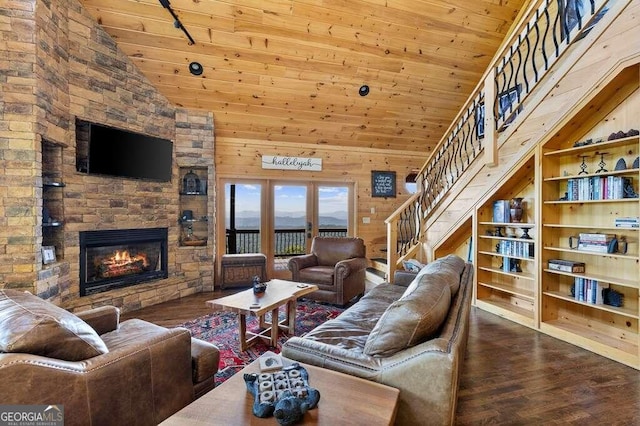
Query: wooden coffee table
point(344, 399)
point(278, 293)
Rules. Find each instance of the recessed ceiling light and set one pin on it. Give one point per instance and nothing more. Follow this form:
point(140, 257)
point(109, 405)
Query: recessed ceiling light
point(195, 68)
point(364, 90)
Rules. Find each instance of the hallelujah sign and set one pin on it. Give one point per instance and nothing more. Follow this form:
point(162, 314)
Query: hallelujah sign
point(291, 163)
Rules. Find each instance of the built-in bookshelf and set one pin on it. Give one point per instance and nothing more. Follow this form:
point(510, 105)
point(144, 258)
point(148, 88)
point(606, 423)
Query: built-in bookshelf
point(589, 211)
point(505, 251)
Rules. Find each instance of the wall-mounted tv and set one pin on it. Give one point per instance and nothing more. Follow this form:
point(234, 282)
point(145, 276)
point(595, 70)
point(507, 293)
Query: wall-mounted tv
point(122, 153)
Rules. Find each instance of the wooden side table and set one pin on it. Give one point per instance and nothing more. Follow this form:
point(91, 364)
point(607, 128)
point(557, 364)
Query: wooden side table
point(343, 399)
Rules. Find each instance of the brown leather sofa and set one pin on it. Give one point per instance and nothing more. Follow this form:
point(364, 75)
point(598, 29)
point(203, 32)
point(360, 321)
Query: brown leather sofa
point(336, 265)
point(103, 371)
point(410, 335)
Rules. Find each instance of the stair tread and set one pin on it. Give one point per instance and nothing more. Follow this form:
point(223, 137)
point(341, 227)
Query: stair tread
point(376, 272)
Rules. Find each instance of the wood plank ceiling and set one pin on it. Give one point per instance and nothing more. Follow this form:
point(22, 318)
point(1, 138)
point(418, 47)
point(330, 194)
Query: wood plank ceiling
point(290, 70)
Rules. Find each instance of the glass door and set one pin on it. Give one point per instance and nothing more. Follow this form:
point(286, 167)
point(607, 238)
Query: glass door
point(302, 211)
point(332, 209)
point(280, 218)
point(243, 217)
point(291, 224)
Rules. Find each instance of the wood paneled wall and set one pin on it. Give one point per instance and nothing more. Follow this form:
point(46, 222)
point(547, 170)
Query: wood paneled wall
point(241, 158)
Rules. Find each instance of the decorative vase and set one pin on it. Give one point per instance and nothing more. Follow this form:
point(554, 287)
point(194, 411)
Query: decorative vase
point(515, 208)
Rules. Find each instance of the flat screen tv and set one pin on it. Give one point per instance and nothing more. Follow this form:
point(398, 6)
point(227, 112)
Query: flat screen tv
point(116, 152)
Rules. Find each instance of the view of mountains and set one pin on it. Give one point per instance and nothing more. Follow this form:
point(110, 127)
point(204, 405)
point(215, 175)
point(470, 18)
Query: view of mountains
point(251, 220)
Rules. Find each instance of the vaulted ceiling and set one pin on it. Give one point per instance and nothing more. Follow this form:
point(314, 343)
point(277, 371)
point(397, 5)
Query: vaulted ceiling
point(290, 70)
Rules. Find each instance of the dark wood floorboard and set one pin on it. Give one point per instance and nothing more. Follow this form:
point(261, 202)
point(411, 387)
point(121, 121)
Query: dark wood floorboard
point(512, 375)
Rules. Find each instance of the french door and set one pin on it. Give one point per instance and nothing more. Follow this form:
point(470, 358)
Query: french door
point(280, 218)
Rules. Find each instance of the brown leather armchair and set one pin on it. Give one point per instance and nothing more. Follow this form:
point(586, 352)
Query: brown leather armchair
point(133, 372)
point(336, 265)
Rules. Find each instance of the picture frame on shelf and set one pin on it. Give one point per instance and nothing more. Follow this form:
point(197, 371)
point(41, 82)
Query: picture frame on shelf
point(48, 255)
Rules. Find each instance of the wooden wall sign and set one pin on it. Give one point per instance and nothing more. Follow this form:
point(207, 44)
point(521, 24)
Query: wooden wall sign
point(291, 163)
point(383, 184)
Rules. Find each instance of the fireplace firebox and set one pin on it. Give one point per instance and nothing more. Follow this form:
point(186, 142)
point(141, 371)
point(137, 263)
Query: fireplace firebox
point(120, 258)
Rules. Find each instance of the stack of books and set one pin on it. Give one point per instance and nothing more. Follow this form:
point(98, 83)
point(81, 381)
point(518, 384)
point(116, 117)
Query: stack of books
point(598, 243)
point(627, 222)
point(566, 265)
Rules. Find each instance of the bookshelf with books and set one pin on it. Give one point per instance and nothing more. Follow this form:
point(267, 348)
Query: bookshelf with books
point(506, 282)
point(589, 217)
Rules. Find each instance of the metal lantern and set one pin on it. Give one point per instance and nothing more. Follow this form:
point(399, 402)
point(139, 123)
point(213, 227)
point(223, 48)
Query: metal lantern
point(191, 183)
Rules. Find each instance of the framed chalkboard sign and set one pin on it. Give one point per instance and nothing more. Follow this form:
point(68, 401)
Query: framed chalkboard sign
point(383, 184)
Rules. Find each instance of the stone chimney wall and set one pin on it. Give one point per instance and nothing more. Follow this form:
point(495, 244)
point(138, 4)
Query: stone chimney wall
point(66, 67)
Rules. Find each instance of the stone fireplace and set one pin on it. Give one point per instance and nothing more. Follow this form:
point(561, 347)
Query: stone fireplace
point(87, 77)
point(121, 258)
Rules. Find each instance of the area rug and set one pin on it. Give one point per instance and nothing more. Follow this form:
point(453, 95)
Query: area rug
point(221, 329)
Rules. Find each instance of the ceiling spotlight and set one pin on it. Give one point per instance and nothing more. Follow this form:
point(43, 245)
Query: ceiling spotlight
point(195, 68)
point(364, 90)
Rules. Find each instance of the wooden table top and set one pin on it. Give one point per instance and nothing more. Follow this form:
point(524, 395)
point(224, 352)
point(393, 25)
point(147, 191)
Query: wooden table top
point(278, 293)
point(344, 400)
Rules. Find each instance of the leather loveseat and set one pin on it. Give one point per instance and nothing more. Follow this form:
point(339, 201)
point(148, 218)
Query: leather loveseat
point(102, 371)
point(410, 335)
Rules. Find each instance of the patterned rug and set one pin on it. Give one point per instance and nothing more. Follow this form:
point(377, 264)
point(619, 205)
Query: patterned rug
point(221, 329)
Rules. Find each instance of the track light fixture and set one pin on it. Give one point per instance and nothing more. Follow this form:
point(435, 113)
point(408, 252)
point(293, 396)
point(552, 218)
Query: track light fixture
point(176, 21)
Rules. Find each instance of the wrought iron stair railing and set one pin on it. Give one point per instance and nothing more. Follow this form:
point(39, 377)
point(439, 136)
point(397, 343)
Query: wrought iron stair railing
point(545, 33)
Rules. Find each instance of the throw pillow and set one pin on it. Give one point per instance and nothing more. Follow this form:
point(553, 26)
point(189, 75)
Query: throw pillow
point(31, 325)
point(412, 265)
point(412, 319)
point(450, 264)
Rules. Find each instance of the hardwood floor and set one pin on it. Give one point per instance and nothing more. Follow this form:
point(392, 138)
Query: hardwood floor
point(512, 375)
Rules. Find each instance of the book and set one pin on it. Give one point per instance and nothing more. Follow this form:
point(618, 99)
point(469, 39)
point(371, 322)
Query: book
point(627, 225)
point(596, 238)
point(598, 243)
point(566, 265)
point(627, 222)
point(501, 213)
point(587, 290)
point(594, 247)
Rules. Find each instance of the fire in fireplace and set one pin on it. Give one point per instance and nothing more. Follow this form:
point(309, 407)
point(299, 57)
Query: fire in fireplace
point(120, 258)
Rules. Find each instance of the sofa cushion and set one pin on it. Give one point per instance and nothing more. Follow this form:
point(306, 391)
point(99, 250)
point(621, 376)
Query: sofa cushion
point(450, 264)
point(411, 319)
point(31, 325)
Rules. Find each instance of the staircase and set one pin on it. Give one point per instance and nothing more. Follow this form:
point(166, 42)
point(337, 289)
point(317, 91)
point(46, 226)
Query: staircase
point(483, 144)
point(377, 272)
